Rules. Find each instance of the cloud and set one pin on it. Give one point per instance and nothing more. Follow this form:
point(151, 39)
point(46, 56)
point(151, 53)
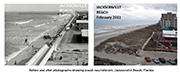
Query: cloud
point(165, 7)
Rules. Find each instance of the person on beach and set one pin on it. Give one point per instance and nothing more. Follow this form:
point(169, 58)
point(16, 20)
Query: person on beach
point(60, 58)
point(26, 41)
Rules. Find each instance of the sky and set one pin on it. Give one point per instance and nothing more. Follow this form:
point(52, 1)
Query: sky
point(44, 7)
point(137, 13)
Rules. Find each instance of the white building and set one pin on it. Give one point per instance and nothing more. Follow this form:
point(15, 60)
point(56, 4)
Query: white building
point(169, 33)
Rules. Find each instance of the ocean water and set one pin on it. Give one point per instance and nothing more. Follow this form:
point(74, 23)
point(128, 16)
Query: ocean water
point(30, 26)
point(108, 27)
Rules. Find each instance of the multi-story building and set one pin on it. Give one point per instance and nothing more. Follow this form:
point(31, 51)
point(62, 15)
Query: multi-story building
point(81, 24)
point(168, 20)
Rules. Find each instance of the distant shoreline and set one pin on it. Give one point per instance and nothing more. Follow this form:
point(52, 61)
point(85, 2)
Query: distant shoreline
point(35, 13)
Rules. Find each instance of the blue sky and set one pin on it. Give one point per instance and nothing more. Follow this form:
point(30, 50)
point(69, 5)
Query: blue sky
point(137, 13)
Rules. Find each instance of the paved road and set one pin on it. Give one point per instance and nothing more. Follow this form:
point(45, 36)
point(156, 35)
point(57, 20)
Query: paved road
point(56, 44)
point(66, 45)
point(135, 60)
point(158, 54)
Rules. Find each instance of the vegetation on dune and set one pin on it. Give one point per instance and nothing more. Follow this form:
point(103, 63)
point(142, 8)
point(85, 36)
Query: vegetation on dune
point(129, 42)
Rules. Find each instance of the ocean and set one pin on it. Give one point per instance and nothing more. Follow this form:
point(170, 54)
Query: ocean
point(108, 27)
point(19, 26)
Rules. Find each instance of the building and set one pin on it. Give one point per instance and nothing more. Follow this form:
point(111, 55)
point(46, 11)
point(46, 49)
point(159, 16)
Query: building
point(166, 41)
point(169, 33)
point(81, 24)
point(84, 34)
point(168, 20)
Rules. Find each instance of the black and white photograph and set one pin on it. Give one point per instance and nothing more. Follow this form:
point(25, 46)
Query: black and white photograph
point(46, 34)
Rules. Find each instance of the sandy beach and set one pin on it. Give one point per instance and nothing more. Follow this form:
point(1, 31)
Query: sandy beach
point(24, 54)
point(125, 58)
point(98, 38)
point(122, 47)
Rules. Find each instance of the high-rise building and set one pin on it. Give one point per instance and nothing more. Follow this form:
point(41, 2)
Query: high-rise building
point(168, 20)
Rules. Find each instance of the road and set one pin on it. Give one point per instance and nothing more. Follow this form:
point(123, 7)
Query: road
point(65, 50)
point(136, 60)
point(56, 43)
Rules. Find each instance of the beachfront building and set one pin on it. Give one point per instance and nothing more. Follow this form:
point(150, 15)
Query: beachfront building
point(169, 34)
point(82, 15)
point(81, 21)
point(81, 24)
point(167, 39)
point(84, 34)
point(168, 20)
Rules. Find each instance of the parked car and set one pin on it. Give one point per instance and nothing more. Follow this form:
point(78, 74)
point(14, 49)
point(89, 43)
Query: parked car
point(67, 28)
point(47, 36)
point(147, 59)
point(162, 60)
point(172, 62)
point(156, 60)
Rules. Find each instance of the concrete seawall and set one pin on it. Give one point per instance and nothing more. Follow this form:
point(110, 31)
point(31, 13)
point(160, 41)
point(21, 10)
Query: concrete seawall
point(38, 56)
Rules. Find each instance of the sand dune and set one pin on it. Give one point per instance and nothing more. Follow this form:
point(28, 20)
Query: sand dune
point(98, 38)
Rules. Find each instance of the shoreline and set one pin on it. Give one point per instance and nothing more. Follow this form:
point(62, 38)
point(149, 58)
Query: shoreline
point(14, 54)
point(16, 34)
point(100, 37)
point(24, 54)
point(27, 52)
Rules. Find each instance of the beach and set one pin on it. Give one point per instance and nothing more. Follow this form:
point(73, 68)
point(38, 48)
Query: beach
point(33, 30)
point(123, 47)
point(72, 53)
point(100, 37)
point(128, 41)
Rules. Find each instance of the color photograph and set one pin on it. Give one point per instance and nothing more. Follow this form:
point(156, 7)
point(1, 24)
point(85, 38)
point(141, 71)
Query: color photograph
point(135, 34)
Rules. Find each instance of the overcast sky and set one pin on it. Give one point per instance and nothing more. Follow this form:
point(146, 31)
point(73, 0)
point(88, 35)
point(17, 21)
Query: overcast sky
point(138, 13)
point(44, 7)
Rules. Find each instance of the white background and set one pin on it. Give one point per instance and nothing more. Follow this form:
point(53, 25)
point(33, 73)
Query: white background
point(24, 70)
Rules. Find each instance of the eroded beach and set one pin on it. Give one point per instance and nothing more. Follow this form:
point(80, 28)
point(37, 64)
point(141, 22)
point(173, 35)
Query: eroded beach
point(16, 49)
